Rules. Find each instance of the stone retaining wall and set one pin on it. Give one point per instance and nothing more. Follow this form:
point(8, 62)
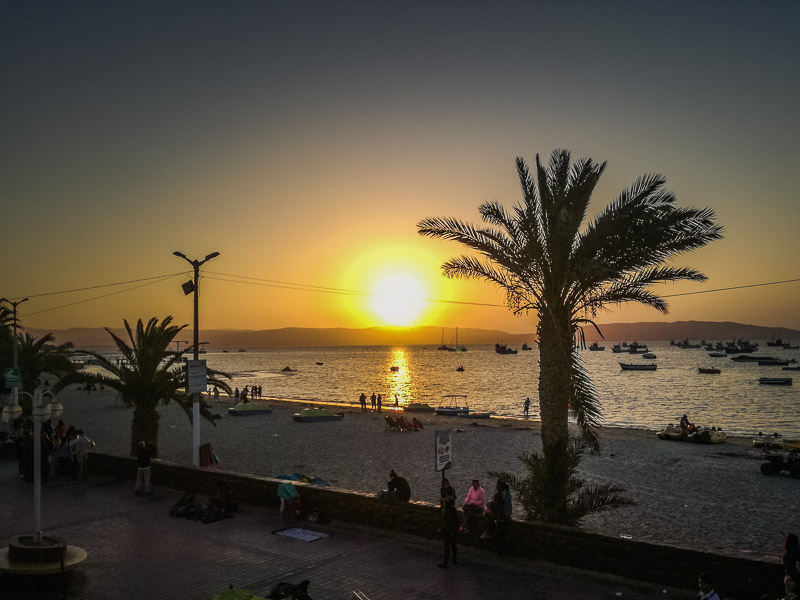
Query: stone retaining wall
point(552, 543)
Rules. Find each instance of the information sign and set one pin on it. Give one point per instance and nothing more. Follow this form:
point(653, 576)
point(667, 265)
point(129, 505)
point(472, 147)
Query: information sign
point(12, 378)
point(444, 449)
point(196, 370)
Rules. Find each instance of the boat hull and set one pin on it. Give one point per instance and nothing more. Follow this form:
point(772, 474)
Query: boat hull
point(454, 411)
point(476, 415)
point(635, 367)
point(247, 410)
point(419, 407)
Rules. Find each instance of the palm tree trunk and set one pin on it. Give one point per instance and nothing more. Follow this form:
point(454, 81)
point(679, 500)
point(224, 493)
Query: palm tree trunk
point(144, 427)
point(555, 338)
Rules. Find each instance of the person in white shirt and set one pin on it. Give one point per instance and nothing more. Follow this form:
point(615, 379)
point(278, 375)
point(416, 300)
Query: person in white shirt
point(80, 450)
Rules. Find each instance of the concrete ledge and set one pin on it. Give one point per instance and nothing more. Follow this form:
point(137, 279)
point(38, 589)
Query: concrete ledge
point(569, 546)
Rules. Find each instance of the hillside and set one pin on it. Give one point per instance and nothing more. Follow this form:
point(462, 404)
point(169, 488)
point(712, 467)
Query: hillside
point(432, 336)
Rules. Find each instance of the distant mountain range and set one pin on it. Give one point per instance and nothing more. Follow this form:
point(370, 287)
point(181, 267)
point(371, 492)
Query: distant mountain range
point(97, 338)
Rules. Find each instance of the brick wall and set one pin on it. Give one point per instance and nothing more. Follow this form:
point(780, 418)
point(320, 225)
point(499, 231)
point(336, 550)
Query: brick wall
point(551, 543)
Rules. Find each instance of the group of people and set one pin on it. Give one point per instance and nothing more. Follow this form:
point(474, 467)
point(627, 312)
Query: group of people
point(64, 451)
point(376, 401)
point(248, 392)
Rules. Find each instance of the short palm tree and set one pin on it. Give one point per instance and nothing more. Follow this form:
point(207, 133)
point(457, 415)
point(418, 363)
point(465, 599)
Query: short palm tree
point(148, 374)
point(546, 262)
point(40, 356)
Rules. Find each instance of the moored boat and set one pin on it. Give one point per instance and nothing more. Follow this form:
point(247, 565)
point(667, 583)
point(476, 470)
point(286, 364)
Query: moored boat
point(503, 349)
point(649, 355)
point(526, 347)
point(635, 367)
point(452, 405)
point(709, 370)
point(246, 409)
point(312, 415)
point(775, 380)
point(595, 347)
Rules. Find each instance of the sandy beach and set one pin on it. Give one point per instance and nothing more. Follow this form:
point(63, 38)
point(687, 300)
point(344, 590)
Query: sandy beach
point(708, 498)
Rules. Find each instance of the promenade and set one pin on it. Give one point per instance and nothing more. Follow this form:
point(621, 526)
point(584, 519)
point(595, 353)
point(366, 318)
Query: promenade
point(136, 550)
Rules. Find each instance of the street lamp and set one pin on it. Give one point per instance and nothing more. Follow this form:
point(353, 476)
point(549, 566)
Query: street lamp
point(41, 413)
point(188, 288)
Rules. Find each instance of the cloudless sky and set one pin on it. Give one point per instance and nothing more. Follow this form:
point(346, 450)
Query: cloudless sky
point(305, 140)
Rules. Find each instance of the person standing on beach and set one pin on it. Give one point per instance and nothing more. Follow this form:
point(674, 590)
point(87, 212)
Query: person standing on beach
point(372, 399)
point(363, 401)
point(143, 467)
point(380, 402)
point(526, 406)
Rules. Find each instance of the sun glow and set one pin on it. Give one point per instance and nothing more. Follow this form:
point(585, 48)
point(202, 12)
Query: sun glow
point(398, 299)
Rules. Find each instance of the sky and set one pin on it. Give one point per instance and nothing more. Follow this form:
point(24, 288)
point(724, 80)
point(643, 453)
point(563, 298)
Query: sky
point(304, 141)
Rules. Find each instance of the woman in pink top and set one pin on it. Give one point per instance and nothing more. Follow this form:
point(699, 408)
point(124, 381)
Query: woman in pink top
point(474, 505)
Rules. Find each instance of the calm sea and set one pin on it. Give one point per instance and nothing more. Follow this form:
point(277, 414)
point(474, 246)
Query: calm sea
point(732, 400)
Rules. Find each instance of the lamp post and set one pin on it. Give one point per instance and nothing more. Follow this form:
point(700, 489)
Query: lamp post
point(41, 412)
point(14, 411)
point(188, 288)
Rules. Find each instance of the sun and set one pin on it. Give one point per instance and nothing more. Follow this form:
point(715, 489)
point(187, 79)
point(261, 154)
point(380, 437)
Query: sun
point(398, 299)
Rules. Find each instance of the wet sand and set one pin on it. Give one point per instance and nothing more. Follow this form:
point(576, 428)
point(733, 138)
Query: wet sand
point(708, 498)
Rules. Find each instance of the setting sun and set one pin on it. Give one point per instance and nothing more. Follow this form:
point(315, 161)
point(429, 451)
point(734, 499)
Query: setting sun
point(398, 299)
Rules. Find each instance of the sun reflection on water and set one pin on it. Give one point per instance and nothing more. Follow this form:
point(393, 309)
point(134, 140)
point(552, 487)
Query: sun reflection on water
point(399, 380)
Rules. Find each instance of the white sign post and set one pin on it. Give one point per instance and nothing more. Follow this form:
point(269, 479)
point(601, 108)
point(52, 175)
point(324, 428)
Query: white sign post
point(444, 449)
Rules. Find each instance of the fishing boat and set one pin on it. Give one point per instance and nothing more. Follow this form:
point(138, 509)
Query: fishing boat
point(634, 367)
point(312, 415)
point(452, 405)
point(709, 370)
point(755, 359)
point(618, 348)
point(503, 349)
point(247, 409)
point(420, 407)
point(526, 347)
point(717, 354)
point(775, 380)
point(595, 347)
point(649, 355)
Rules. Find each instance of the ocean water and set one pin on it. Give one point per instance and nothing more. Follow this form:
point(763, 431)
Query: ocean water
point(733, 400)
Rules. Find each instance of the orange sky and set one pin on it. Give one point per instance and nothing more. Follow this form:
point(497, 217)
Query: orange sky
point(304, 146)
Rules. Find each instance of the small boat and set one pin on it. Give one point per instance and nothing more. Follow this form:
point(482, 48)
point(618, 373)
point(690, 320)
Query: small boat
point(526, 347)
point(755, 359)
point(595, 347)
point(775, 380)
point(394, 369)
point(637, 348)
point(773, 362)
point(649, 355)
point(790, 369)
point(633, 367)
point(503, 349)
point(476, 415)
point(288, 370)
point(420, 407)
point(242, 350)
point(769, 441)
point(709, 370)
point(617, 348)
point(717, 354)
point(312, 415)
point(671, 432)
point(460, 368)
point(452, 405)
point(246, 409)
point(319, 363)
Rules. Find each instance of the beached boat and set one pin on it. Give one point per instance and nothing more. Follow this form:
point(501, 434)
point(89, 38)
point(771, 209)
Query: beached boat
point(769, 441)
point(452, 405)
point(595, 347)
point(709, 370)
point(707, 435)
point(635, 367)
point(671, 432)
point(420, 407)
point(312, 415)
point(476, 415)
point(775, 380)
point(246, 409)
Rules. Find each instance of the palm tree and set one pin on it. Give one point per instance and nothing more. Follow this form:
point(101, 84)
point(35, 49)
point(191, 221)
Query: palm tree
point(540, 255)
point(39, 356)
point(148, 374)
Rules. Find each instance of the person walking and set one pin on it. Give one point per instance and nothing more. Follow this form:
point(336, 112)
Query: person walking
point(80, 452)
point(526, 406)
point(143, 467)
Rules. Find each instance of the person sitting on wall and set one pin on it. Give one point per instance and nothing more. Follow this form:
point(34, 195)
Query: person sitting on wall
point(398, 488)
point(474, 505)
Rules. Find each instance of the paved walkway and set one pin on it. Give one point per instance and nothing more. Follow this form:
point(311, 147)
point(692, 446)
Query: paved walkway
point(136, 550)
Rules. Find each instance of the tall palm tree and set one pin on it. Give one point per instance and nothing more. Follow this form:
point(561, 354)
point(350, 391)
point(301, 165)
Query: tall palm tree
point(540, 255)
point(148, 374)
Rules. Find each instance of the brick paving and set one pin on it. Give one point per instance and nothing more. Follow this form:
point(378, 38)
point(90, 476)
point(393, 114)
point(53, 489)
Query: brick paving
point(136, 550)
